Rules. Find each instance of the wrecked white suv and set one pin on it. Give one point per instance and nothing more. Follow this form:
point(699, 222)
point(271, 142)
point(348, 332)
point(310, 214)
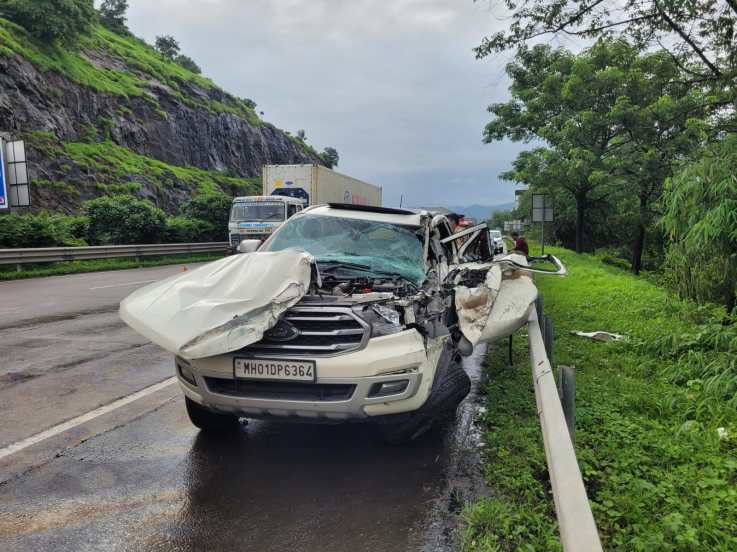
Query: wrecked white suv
point(345, 313)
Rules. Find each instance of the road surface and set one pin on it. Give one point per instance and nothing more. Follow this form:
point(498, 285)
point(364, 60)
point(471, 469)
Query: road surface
point(97, 453)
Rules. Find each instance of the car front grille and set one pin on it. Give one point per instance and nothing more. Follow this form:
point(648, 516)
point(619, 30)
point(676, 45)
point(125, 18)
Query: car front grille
point(322, 331)
point(277, 390)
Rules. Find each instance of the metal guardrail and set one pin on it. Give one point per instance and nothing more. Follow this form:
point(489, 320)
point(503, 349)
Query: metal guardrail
point(23, 256)
point(578, 531)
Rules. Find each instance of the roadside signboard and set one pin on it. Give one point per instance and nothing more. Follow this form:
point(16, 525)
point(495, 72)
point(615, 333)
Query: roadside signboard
point(542, 212)
point(542, 208)
point(3, 186)
point(513, 226)
point(18, 193)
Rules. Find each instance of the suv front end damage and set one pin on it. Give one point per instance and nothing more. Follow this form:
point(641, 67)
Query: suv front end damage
point(345, 313)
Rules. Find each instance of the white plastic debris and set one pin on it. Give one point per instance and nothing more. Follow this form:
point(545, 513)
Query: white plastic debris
point(600, 335)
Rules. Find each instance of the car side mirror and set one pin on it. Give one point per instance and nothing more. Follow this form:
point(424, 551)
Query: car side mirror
point(249, 246)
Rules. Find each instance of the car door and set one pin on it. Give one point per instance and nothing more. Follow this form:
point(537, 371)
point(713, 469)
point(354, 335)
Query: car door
point(492, 298)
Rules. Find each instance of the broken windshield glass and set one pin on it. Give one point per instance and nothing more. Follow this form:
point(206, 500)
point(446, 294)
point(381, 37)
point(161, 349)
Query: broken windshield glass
point(382, 247)
point(258, 212)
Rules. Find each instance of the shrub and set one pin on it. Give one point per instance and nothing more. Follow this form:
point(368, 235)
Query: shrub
point(213, 208)
point(42, 230)
point(51, 20)
point(122, 219)
point(186, 230)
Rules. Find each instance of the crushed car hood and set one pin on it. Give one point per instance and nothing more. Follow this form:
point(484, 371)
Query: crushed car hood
point(220, 307)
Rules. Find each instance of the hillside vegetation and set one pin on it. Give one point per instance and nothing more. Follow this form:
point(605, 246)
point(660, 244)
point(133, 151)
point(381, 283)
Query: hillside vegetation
point(105, 114)
point(656, 427)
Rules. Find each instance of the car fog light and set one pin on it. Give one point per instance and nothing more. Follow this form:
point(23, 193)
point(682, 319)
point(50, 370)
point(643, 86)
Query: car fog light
point(387, 388)
point(185, 371)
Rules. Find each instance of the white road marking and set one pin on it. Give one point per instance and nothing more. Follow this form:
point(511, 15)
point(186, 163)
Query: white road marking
point(125, 284)
point(84, 418)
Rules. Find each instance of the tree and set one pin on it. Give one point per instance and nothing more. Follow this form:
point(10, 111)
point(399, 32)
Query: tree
point(700, 33)
point(167, 46)
point(213, 208)
point(112, 15)
point(615, 121)
point(188, 63)
point(123, 219)
point(330, 157)
point(564, 101)
point(701, 222)
point(51, 20)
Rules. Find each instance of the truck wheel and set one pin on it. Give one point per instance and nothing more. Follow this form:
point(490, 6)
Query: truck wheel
point(207, 420)
point(450, 387)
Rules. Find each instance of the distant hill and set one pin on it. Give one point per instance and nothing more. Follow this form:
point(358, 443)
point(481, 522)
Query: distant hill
point(482, 212)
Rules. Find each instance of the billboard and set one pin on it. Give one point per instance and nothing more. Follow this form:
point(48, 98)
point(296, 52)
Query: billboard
point(3, 182)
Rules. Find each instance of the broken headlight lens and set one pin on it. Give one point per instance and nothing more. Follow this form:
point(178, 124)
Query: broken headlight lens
point(383, 320)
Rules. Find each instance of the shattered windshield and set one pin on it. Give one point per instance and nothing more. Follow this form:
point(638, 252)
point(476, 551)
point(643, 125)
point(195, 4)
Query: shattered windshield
point(257, 212)
point(381, 246)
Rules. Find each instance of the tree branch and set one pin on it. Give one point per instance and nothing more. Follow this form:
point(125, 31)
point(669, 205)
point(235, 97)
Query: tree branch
point(714, 69)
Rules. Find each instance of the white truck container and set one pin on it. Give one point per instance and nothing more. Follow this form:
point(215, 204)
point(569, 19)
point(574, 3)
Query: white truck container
point(314, 185)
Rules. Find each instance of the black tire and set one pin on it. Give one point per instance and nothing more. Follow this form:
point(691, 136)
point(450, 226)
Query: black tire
point(450, 387)
point(210, 421)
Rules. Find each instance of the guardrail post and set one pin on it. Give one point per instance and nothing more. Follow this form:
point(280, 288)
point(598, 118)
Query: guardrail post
point(567, 393)
point(548, 337)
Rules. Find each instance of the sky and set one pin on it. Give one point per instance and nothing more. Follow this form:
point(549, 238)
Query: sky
point(393, 85)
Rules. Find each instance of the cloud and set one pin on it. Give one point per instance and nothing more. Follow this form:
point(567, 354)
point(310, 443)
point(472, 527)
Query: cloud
point(392, 84)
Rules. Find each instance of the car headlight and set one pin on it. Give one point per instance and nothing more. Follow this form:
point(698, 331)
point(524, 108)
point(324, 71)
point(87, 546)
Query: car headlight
point(383, 320)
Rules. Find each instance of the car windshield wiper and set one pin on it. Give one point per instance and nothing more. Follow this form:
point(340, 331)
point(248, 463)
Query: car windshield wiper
point(333, 265)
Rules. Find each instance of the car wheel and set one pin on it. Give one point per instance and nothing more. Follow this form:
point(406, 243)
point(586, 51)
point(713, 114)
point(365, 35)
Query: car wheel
point(450, 387)
point(210, 421)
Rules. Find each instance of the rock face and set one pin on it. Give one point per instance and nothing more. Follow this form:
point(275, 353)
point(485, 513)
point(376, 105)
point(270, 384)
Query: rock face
point(195, 126)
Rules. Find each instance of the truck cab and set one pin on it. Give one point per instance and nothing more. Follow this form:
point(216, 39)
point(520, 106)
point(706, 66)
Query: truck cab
point(257, 217)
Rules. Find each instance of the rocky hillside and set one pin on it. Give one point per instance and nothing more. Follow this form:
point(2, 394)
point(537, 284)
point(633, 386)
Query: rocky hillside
point(114, 116)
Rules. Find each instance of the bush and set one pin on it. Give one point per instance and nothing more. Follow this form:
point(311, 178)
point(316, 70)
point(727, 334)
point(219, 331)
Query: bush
point(186, 230)
point(213, 208)
point(51, 20)
point(122, 219)
point(42, 230)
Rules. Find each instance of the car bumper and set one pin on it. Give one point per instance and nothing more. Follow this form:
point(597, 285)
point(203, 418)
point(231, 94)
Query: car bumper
point(402, 357)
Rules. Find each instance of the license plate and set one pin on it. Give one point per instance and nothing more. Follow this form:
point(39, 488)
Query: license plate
point(272, 369)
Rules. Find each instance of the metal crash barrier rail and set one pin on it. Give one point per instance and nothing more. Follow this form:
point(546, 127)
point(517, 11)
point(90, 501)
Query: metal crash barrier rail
point(578, 531)
point(23, 256)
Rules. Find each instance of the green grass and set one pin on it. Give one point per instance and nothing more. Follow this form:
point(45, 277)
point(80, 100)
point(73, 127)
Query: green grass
point(658, 475)
point(8, 272)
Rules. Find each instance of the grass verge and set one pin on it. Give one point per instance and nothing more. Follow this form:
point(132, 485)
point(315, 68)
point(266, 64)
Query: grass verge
point(656, 433)
point(8, 272)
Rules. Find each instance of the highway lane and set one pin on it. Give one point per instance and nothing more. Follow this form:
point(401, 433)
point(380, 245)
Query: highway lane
point(57, 297)
point(154, 483)
point(141, 477)
point(65, 351)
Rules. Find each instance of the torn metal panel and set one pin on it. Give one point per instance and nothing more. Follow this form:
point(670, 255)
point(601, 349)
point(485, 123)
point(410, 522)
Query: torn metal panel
point(220, 307)
point(496, 308)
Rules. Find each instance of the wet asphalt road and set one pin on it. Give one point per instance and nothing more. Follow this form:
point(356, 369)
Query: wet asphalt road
point(142, 478)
